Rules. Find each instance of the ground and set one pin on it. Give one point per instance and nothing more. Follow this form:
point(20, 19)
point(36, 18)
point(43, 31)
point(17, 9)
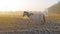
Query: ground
point(17, 25)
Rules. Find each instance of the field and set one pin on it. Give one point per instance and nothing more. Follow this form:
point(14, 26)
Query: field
point(20, 25)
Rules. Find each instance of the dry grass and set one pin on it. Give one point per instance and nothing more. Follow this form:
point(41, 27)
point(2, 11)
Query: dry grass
point(53, 16)
point(8, 22)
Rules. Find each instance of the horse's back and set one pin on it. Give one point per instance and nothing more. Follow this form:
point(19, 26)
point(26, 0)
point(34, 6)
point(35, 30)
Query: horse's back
point(36, 16)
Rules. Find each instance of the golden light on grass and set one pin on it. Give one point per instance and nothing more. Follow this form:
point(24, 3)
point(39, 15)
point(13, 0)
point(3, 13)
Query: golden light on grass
point(53, 15)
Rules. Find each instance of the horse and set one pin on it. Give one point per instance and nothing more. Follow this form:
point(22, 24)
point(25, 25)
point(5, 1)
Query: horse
point(27, 14)
point(37, 18)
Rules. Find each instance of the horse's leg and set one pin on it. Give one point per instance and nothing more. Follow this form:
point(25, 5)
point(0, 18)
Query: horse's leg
point(43, 21)
point(27, 22)
point(31, 22)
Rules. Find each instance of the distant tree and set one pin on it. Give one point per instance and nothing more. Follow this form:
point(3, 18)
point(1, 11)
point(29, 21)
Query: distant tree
point(55, 8)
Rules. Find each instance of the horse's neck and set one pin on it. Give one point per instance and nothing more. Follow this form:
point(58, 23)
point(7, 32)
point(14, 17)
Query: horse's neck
point(29, 15)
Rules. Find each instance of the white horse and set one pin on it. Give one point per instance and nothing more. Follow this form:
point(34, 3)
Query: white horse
point(35, 18)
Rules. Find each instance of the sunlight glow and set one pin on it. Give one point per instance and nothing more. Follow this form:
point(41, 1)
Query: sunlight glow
point(16, 5)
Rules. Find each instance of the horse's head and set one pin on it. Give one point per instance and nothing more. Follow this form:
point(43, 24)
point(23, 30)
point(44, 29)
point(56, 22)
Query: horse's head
point(27, 14)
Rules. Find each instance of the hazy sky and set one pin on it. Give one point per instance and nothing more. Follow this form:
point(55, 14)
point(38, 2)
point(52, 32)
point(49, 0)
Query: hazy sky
point(13, 5)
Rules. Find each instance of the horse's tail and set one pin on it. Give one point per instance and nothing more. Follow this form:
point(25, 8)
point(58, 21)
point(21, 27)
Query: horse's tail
point(44, 20)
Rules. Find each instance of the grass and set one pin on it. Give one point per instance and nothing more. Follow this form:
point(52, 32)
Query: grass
point(55, 17)
point(6, 22)
point(9, 22)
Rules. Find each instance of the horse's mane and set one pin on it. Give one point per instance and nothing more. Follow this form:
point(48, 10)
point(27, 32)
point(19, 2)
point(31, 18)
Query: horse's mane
point(28, 14)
